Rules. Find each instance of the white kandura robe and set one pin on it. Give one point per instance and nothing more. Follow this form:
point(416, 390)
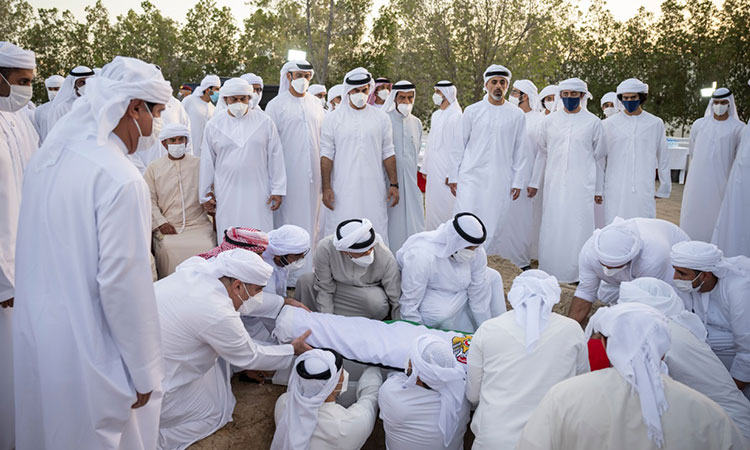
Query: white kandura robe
point(341, 428)
point(636, 145)
point(713, 146)
point(261, 321)
point(520, 235)
point(18, 140)
point(407, 217)
point(173, 113)
point(492, 163)
point(242, 159)
point(410, 416)
point(508, 382)
point(357, 141)
point(570, 147)
point(693, 363)
point(657, 238)
point(41, 116)
point(199, 113)
point(445, 144)
point(200, 334)
point(730, 233)
point(600, 410)
point(173, 186)
point(447, 294)
point(86, 225)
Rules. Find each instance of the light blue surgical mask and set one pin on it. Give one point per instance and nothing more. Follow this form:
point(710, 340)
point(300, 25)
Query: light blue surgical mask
point(215, 97)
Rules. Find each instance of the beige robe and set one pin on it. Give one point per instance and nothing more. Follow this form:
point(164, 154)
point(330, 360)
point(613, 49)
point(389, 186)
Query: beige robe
point(164, 178)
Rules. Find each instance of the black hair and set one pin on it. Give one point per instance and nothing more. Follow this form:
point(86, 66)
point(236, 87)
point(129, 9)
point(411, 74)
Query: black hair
point(642, 97)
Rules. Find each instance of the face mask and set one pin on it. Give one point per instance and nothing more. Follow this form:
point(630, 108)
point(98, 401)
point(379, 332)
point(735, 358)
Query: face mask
point(464, 255)
point(300, 85)
point(383, 94)
point(613, 271)
point(359, 99)
point(437, 99)
point(81, 90)
point(254, 100)
point(176, 150)
point(364, 261)
point(687, 285)
point(514, 100)
point(18, 98)
point(296, 265)
point(720, 109)
point(215, 97)
point(143, 141)
point(238, 109)
point(549, 104)
point(405, 108)
point(252, 303)
point(51, 95)
point(631, 105)
point(323, 102)
point(344, 382)
point(571, 103)
point(157, 126)
point(609, 112)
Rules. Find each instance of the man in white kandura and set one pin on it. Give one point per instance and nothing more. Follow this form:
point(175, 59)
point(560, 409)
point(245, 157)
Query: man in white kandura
point(102, 344)
point(52, 85)
point(520, 235)
point(199, 309)
point(623, 251)
point(608, 103)
point(516, 358)
point(19, 143)
point(445, 145)
point(491, 169)
point(690, 359)
point(334, 97)
point(242, 163)
point(307, 415)
point(298, 117)
point(71, 90)
point(355, 274)
point(572, 144)
point(181, 226)
point(257, 83)
point(428, 395)
point(407, 217)
point(634, 404)
point(356, 154)
point(319, 91)
point(548, 98)
point(636, 144)
point(714, 140)
point(200, 109)
point(445, 281)
point(717, 290)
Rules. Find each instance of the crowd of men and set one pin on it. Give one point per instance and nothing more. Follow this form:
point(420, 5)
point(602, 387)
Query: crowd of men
point(148, 245)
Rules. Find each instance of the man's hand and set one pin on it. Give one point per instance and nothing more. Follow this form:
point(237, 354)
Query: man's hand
point(392, 195)
point(531, 192)
point(452, 186)
point(598, 199)
point(210, 205)
point(292, 302)
point(515, 193)
point(141, 400)
point(7, 303)
point(579, 310)
point(274, 201)
point(328, 198)
point(167, 228)
point(299, 344)
point(259, 376)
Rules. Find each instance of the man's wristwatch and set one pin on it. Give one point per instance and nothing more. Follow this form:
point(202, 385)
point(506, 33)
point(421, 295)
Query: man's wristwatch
point(394, 185)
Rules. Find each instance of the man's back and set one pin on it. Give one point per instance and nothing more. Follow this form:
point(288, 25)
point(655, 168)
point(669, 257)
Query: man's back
point(599, 410)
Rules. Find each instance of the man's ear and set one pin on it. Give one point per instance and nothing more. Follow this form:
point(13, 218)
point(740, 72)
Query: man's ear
point(289, 76)
point(134, 107)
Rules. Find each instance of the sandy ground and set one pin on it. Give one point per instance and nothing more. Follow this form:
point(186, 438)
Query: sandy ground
point(253, 425)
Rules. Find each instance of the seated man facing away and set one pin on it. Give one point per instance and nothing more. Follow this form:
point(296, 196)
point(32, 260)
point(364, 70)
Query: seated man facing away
point(690, 359)
point(425, 408)
point(181, 226)
point(198, 312)
point(516, 358)
point(623, 251)
point(307, 415)
point(355, 274)
point(717, 290)
point(445, 281)
point(633, 405)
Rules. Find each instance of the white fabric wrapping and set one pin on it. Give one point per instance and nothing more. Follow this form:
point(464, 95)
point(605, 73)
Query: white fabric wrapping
point(15, 57)
point(173, 130)
point(609, 97)
point(336, 91)
point(702, 256)
point(617, 243)
point(529, 88)
point(207, 82)
point(54, 81)
point(316, 89)
point(552, 89)
point(354, 233)
point(251, 78)
point(288, 240)
point(495, 68)
point(632, 86)
point(356, 74)
point(532, 297)
point(291, 66)
point(237, 263)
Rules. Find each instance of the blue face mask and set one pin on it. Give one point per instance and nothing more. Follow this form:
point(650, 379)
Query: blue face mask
point(571, 103)
point(215, 97)
point(631, 105)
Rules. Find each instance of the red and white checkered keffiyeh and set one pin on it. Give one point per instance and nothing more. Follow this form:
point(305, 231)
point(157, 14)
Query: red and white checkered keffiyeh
point(237, 237)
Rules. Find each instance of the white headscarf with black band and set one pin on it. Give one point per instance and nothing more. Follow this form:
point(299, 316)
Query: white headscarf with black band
point(449, 91)
point(293, 66)
point(355, 235)
point(721, 94)
point(399, 86)
point(496, 70)
point(529, 88)
point(463, 230)
point(354, 79)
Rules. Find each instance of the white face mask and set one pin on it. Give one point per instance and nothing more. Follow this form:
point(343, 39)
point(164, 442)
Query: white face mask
point(613, 271)
point(51, 94)
point(437, 99)
point(720, 109)
point(344, 382)
point(405, 108)
point(18, 98)
point(609, 112)
point(300, 85)
point(252, 303)
point(81, 90)
point(364, 261)
point(464, 255)
point(157, 126)
point(238, 109)
point(323, 102)
point(513, 100)
point(254, 100)
point(687, 285)
point(143, 141)
point(383, 94)
point(549, 104)
point(359, 99)
point(176, 150)
point(296, 265)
